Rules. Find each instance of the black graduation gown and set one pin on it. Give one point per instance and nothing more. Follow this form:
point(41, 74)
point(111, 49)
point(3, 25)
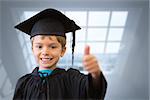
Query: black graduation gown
point(61, 84)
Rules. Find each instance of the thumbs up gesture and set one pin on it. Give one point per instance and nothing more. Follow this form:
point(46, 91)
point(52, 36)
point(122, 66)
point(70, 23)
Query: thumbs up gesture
point(90, 63)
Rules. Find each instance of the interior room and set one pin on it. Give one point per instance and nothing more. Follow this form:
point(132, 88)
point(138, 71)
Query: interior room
point(116, 30)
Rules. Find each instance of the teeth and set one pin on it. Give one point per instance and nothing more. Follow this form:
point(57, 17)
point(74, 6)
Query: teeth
point(46, 58)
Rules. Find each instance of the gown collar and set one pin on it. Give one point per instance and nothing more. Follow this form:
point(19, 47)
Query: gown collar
point(55, 71)
point(45, 73)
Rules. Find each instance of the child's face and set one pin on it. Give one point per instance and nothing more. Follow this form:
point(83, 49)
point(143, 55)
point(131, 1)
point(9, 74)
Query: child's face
point(47, 51)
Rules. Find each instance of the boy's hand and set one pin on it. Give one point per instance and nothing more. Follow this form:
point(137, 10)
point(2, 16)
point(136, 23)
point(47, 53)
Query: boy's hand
point(90, 63)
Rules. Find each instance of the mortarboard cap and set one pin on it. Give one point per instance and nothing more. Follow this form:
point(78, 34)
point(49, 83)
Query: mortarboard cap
point(49, 22)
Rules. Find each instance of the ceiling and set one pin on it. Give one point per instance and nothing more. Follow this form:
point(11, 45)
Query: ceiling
point(83, 0)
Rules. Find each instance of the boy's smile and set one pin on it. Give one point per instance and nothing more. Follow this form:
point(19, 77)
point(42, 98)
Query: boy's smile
point(47, 51)
point(46, 59)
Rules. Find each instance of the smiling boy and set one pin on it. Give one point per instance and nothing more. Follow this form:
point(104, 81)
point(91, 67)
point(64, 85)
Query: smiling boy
point(47, 30)
point(47, 51)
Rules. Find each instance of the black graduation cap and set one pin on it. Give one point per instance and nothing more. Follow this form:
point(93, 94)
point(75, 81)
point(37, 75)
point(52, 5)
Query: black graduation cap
point(48, 22)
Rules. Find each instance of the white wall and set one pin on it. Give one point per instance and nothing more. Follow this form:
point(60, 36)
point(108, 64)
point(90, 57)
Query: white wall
point(0, 28)
point(132, 83)
point(5, 83)
point(149, 48)
point(136, 69)
point(13, 65)
point(12, 53)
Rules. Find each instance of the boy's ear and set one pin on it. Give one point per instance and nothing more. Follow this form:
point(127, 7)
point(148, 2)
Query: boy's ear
point(63, 52)
point(32, 47)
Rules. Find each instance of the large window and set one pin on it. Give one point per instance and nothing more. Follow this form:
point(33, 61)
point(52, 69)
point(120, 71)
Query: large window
point(102, 30)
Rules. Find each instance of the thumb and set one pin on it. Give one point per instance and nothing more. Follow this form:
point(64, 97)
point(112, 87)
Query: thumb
point(87, 50)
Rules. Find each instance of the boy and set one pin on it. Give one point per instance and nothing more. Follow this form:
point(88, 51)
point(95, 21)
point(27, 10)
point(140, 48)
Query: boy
point(47, 30)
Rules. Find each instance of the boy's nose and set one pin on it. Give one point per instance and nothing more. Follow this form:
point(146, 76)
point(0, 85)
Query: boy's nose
point(45, 54)
point(45, 51)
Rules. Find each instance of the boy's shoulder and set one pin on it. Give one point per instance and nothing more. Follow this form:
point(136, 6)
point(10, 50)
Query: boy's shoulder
point(75, 72)
point(24, 77)
point(72, 70)
point(22, 80)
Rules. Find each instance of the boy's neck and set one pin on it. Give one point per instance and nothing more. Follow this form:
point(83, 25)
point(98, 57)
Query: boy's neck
point(47, 68)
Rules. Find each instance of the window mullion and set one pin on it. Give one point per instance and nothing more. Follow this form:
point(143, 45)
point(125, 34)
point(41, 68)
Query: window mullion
point(107, 33)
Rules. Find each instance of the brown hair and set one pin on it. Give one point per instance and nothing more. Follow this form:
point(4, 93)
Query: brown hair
point(60, 39)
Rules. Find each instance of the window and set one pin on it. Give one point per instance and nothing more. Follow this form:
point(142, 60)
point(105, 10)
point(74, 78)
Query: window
point(102, 30)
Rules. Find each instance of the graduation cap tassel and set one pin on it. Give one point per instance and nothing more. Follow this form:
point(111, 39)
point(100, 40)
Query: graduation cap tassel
point(73, 45)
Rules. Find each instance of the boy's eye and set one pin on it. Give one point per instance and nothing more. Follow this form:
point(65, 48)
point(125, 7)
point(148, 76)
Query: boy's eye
point(39, 46)
point(53, 46)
